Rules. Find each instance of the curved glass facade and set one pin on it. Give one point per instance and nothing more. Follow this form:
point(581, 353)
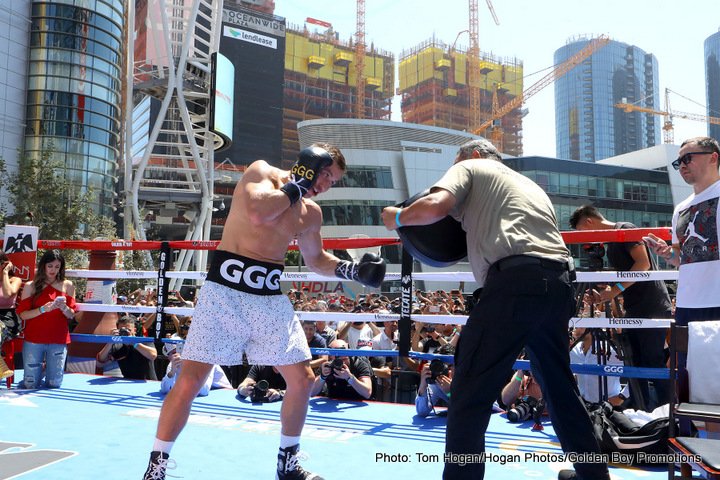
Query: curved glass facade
point(587, 124)
point(712, 77)
point(73, 102)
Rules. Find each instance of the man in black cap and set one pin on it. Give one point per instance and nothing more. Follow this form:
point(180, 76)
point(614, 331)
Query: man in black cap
point(519, 258)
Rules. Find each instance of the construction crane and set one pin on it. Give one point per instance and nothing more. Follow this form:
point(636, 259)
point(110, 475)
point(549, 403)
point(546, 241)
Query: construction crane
point(474, 60)
point(668, 114)
point(360, 60)
point(558, 71)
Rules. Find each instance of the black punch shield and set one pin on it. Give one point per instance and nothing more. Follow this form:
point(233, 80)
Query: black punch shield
point(439, 244)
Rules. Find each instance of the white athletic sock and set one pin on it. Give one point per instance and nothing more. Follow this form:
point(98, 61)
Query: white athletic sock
point(287, 441)
point(162, 446)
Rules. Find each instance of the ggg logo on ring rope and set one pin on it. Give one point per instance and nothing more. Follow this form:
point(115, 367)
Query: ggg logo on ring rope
point(619, 369)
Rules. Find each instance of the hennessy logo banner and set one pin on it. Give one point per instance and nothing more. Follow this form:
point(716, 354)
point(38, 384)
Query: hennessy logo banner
point(21, 248)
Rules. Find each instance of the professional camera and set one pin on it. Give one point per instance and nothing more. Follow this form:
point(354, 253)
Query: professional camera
point(595, 253)
point(437, 368)
point(336, 364)
point(259, 391)
point(525, 408)
point(124, 332)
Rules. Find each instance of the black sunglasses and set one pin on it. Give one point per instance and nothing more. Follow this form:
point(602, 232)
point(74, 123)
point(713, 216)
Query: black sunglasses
point(687, 158)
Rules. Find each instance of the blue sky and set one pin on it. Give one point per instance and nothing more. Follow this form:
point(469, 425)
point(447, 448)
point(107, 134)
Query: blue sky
point(531, 30)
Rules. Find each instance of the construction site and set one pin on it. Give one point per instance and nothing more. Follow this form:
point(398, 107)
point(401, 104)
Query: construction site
point(321, 81)
point(436, 89)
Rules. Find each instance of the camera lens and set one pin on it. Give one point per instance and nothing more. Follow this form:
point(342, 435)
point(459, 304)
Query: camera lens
point(437, 368)
point(259, 391)
point(124, 332)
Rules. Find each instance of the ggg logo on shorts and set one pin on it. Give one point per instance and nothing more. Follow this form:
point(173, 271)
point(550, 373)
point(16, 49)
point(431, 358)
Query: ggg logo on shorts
point(255, 276)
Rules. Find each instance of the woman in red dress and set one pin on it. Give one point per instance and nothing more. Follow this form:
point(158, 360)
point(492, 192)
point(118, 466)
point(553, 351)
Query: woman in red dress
point(46, 305)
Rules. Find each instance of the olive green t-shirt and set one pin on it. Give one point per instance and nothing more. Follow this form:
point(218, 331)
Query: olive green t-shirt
point(503, 213)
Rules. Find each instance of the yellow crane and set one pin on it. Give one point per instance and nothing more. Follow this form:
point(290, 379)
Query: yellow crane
point(474, 59)
point(668, 114)
point(360, 60)
point(558, 71)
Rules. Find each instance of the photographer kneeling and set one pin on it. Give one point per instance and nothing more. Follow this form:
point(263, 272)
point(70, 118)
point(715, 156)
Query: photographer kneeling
point(434, 388)
point(522, 398)
point(263, 384)
point(347, 378)
point(135, 360)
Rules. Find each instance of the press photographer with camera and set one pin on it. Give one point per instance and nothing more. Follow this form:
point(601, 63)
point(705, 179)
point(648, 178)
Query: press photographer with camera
point(263, 384)
point(136, 361)
point(348, 378)
point(522, 397)
point(435, 381)
point(640, 300)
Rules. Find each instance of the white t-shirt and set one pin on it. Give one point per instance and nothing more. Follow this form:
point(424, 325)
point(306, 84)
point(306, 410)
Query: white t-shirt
point(383, 342)
point(695, 223)
point(588, 384)
point(360, 339)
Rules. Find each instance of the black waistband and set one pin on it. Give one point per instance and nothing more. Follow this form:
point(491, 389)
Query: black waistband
point(526, 260)
point(245, 274)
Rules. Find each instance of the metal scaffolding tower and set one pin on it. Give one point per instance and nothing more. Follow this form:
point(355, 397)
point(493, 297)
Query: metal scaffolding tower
point(169, 163)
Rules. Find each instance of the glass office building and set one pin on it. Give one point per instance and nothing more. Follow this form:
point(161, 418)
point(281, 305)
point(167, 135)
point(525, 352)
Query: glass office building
point(588, 125)
point(621, 194)
point(73, 99)
point(712, 76)
point(14, 37)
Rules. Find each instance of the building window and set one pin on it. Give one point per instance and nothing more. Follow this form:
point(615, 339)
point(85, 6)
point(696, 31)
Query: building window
point(352, 212)
point(366, 177)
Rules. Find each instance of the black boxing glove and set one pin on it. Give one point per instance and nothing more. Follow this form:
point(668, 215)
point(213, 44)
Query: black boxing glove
point(304, 172)
point(370, 270)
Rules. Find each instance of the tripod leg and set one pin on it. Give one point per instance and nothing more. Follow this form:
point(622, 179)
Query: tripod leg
point(627, 355)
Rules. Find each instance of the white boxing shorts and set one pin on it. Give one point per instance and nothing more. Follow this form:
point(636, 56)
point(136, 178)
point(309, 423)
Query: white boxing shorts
point(229, 319)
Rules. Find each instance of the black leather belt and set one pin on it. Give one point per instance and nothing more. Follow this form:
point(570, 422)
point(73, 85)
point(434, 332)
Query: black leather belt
point(524, 260)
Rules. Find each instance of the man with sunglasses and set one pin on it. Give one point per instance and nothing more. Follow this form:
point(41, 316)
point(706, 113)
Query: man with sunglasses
point(695, 226)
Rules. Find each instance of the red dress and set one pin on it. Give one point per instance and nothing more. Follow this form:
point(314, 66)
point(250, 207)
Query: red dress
point(48, 327)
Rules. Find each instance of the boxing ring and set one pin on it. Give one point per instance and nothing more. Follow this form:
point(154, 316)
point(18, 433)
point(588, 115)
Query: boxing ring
point(104, 426)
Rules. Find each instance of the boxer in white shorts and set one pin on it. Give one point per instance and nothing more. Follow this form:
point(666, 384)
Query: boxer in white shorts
point(230, 319)
point(241, 308)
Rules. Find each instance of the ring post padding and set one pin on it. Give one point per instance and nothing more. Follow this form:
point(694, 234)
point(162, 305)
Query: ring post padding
point(163, 284)
point(405, 303)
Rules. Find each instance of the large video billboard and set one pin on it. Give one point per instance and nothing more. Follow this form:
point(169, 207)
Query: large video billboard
point(255, 45)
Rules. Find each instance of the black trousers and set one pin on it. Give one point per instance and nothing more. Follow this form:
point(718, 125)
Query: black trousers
point(524, 306)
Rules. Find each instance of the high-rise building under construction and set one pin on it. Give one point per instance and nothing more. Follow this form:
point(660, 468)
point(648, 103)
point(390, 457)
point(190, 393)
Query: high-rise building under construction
point(436, 91)
point(712, 81)
point(321, 81)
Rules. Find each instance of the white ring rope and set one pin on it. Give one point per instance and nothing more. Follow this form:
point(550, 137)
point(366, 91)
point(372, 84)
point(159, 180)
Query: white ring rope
point(600, 322)
point(587, 277)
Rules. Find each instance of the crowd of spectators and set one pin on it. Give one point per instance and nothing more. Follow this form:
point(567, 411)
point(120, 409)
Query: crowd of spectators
point(381, 378)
